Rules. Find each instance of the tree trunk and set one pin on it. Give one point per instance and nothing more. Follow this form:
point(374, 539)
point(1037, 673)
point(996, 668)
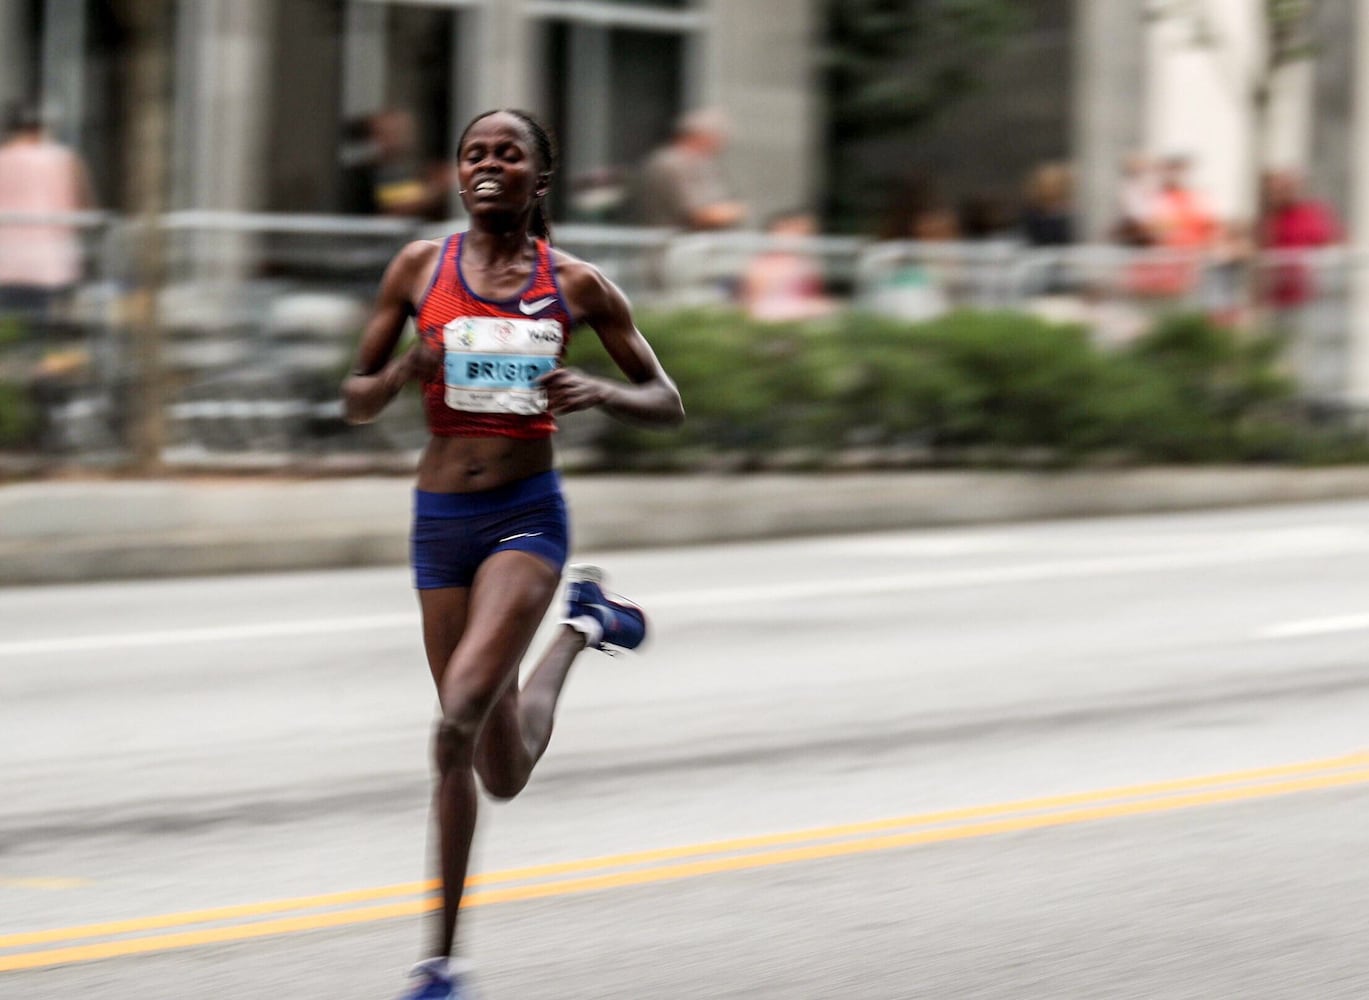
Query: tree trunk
point(1262, 105)
point(150, 21)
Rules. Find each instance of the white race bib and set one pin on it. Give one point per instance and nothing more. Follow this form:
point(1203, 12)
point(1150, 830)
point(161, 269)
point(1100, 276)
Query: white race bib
point(492, 363)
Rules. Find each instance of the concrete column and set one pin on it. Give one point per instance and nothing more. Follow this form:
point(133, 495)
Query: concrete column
point(224, 117)
point(14, 53)
point(1289, 143)
point(233, 109)
point(1109, 103)
point(588, 115)
point(469, 72)
point(506, 80)
point(702, 73)
point(1329, 172)
point(1358, 355)
point(186, 87)
point(363, 58)
point(760, 69)
point(64, 58)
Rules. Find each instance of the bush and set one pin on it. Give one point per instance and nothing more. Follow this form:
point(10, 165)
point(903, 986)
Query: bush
point(18, 416)
point(1000, 387)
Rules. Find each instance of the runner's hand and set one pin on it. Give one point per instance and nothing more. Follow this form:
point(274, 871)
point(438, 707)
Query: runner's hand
point(569, 390)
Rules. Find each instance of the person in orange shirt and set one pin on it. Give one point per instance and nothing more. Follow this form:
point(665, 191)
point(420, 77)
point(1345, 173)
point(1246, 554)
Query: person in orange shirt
point(1181, 223)
point(1181, 217)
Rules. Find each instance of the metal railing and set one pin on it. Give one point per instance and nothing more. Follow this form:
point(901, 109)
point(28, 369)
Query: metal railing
point(260, 313)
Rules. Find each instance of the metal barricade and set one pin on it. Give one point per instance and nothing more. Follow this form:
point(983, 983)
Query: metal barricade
point(58, 334)
point(627, 255)
point(259, 314)
point(916, 280)
point(1307, 298)
point(711, 268)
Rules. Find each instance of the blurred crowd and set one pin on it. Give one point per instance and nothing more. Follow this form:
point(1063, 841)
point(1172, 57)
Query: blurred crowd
point(921, 255)
point(682, 186)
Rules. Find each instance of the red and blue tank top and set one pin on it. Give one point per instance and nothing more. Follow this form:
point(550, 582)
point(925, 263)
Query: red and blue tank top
point(493, 351)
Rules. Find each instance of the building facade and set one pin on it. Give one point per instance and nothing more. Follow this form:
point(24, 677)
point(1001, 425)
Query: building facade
point(261, 92)
point(262, 89)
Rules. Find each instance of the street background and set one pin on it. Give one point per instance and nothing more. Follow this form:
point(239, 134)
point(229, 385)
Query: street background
point(883, 765)
point(1006, 580)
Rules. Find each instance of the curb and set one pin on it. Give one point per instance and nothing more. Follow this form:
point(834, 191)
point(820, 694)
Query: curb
point(68, 532)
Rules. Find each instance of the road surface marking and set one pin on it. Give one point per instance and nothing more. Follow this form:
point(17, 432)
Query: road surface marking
point(648, 867)
point(687, 851)
point(1315, 626)
point(1274, 545)
point(44, 884)
point(220, 633)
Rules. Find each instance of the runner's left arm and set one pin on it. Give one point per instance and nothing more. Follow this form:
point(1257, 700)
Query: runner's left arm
point(649, 396)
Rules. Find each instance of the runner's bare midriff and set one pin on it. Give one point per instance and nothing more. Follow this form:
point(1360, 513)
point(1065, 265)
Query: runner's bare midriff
point(468, 464)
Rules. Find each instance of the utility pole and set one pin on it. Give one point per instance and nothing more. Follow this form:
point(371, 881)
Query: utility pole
point(149, 22)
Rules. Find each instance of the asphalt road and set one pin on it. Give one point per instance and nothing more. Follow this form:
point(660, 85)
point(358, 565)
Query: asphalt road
point(1112, 758)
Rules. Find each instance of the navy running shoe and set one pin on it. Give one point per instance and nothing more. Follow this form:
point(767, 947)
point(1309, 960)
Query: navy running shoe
point(606, 621)
point(437, 981)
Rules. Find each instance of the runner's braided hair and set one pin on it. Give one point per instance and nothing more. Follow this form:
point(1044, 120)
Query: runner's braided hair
point(546, 153)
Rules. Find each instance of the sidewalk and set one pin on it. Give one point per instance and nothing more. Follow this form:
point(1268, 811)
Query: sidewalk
point(56, 532)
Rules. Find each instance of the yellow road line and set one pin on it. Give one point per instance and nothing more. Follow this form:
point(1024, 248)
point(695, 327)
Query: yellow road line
point(674, 853)
point(893, 841)
point(323, 900)
point(920, 819)
point(218, 913)
point(47, 884)
point(854, 844)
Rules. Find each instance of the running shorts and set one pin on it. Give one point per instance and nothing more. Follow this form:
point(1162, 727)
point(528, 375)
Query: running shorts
point(455, 532)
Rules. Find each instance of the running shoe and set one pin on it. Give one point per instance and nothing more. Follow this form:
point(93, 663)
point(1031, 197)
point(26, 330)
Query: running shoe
point(607, 622)
point(437, 981)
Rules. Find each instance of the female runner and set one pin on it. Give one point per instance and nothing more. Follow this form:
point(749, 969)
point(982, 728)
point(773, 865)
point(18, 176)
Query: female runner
point(494, 307)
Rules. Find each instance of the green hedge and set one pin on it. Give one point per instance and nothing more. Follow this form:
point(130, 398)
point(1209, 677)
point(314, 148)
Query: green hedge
point(969, 387)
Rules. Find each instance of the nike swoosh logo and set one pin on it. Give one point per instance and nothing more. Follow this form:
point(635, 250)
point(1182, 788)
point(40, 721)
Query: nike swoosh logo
point(524, 534)
point(536, 306)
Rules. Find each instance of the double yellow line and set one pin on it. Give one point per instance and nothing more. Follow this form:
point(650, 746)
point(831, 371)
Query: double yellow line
point(40, 949)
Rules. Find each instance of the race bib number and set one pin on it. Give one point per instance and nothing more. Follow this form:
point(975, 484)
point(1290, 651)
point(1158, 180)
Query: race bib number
point(492, 364)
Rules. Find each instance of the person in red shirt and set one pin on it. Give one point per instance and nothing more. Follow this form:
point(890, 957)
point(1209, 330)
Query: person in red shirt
point(1292, 222)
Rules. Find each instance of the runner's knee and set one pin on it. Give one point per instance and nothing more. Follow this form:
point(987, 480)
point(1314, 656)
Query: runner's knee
point(455, 738)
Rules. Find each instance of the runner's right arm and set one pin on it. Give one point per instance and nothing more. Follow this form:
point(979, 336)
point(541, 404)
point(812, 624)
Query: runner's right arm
point(377, 376)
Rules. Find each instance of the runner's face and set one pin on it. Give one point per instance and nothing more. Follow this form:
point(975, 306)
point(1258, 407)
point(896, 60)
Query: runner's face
point(499, 169)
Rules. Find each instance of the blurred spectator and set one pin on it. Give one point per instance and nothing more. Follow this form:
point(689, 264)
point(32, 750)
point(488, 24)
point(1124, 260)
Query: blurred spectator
point(1292, 222)
point(40, 262)
point(1226, 287)
point(917, 211)
point(913, 285)
point(1047, 215)
point(986, 217)
point(1048, 221)
point(1182, 224)
point(404, 185)
point(358, 159)
point(784, 282)
point(1181, 218)
point(1136, 202)
point(682, 184)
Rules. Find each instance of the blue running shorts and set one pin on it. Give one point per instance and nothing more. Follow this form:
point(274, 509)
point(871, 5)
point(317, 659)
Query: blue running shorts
point(455, 532)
